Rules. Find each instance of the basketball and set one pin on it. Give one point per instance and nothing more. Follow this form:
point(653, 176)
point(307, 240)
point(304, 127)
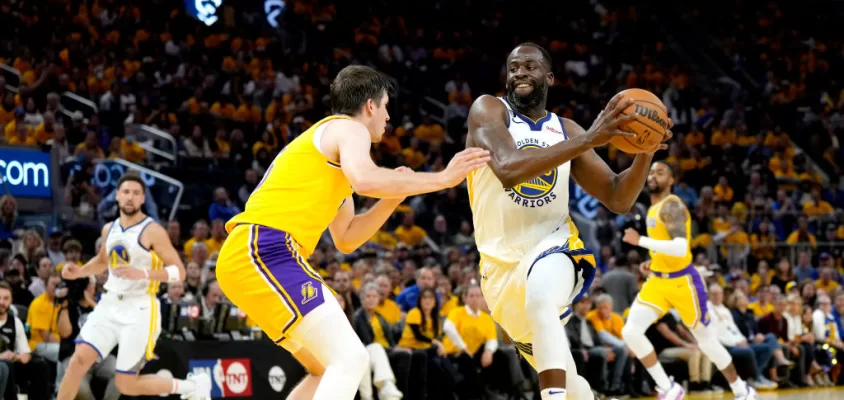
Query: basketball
point(650, 125)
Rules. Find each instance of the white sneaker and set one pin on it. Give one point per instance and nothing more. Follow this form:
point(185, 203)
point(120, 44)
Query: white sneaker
point(203, 387)
point(751, 394)
point(389, 391)
point(675, 392)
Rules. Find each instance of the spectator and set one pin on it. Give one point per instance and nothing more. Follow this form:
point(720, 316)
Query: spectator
point(193, 278)
point(826, 281)
point(408, 297)
point(74, 310)
point(673, 342)
point(199, 235)
point(248, 187)
point(622, 285)
point(784, 275)
point(42, 274)
point(15, 279)
point(802, 341)
point(410, 233)
point(472, 342)
point(608, 325)
point(174, 231)
point(18, 366)
point(222, 208)
point(763, 305)
point(9, 222)
point(375, 333)
point(42, 319)
point(422, 333)
point(754, 346)
point(827, 335)
point(774, 323)
point(387, 308)
point(54, 245)
point(218, 236)
point(804, 270)
point(212, 296)
point(587, 349)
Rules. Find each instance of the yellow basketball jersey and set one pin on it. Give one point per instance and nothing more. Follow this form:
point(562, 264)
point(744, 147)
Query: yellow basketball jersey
point(300, 193)
point(658, 231)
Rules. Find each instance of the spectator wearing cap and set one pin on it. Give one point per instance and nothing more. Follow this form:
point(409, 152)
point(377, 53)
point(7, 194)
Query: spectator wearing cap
point(222, 208)
point(15, 278)
point(42, 273)
point(54, 245)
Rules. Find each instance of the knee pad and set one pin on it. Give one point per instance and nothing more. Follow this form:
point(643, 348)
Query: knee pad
point(633, 334)
point(708, 343)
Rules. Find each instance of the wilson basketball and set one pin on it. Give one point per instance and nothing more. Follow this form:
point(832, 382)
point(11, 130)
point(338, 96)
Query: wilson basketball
point(650, 125)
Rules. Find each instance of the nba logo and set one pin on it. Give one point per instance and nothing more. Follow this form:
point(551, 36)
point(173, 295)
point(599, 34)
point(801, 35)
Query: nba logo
point(230, 377)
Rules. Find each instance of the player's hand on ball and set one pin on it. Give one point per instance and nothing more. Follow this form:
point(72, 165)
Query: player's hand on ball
point(631, 236)
point(71, 271)
point(463, 163)
point(668, 135)
point(606, 126)
point(129, 272)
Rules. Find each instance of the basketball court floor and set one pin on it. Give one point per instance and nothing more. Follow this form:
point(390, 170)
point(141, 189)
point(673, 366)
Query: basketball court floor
point(785, 394)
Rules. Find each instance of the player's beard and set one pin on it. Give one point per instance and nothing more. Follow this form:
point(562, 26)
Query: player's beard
point(524, 103)
point(4, 310)
point(129, 212)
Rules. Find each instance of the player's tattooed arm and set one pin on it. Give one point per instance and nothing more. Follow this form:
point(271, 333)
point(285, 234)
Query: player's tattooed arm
point(674, 215)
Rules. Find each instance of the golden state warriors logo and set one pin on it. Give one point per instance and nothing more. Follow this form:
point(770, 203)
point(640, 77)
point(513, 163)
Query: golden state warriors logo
point(538, 191)
point(118, 255)
point(309, 292)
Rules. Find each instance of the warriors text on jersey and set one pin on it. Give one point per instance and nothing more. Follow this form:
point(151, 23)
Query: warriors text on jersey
point(300, 192)
point(123, 246)
point(510, 222)
point(658, 231)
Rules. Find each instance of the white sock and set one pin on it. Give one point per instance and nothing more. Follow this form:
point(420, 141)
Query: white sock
point(553, 394)
point(183, 386)
point(660, 377)
point(739, 387)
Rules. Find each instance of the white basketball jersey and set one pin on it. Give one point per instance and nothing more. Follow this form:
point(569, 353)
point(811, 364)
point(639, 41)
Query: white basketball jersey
point(123, 246)
point(511, 222)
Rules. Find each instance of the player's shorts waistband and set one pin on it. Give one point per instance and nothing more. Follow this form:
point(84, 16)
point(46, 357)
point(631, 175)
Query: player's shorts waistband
point(125, 296)
point(282, 232)
point(676, 274)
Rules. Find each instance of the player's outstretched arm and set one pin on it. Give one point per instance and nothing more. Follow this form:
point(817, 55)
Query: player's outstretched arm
point(94, 266)
point(674, 215)
point(488, 130)
point(367, 179)
point(350, 231)
point(617, 192)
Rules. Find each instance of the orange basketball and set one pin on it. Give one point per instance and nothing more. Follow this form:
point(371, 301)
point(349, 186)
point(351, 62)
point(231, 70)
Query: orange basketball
point(650, 125)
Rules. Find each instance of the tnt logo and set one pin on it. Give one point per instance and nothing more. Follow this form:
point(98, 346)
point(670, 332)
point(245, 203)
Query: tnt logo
point(232, 377)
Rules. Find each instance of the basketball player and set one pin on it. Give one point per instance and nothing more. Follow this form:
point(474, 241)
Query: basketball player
point(139, 256)
point(533, 265)
point(263, 267)
point(674, 283)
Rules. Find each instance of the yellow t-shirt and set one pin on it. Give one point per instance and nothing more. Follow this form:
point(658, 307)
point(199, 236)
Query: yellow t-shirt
point(828, 287)
point(475, 330)
point(189, 246)
point(390, 311)
point(813, 209)
point(759, 310)
point(414, 317)
point(43, 315)
point(449, 305)
point(612, 325)
point(385, 239)
point(378, 332)
point(410, 236)
point(795, 238)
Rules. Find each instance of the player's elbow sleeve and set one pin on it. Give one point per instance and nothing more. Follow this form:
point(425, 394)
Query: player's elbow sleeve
point(680, 247)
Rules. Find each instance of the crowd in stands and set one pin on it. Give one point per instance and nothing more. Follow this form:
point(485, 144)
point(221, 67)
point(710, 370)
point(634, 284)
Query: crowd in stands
point(766, 224)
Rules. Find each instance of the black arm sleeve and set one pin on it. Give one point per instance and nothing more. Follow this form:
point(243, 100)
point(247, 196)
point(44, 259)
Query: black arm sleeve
point(417, 333)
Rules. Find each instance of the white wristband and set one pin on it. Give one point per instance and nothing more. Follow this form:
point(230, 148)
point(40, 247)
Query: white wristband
point(172, 273)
